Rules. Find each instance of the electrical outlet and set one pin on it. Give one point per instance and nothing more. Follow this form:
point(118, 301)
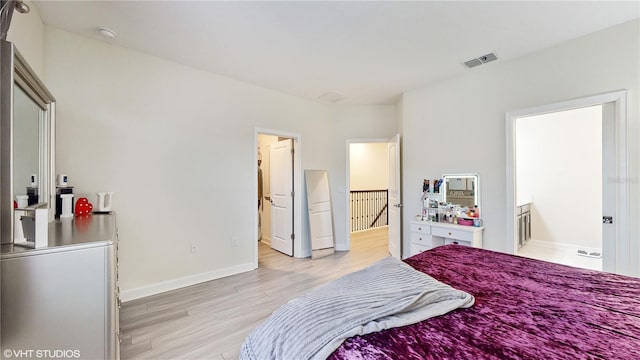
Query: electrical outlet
point(234, 241)
point(194, 247)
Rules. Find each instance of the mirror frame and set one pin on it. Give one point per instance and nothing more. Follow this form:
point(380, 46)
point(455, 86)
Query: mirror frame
point(15, 70)
point(455, 176)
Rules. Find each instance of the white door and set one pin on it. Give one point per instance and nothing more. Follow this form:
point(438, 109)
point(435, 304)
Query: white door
point(281, 187)
point(319, 203)
point(395, 207)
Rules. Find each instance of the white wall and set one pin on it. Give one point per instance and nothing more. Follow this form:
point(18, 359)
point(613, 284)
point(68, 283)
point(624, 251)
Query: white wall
point(352, 122)
point(458, 125)
point(369, 166)
point(27, 33)
point(176, 145)
point(559, 166)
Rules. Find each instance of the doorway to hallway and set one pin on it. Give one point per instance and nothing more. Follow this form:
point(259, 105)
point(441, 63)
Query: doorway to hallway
point(368, 190)
point(278, 218)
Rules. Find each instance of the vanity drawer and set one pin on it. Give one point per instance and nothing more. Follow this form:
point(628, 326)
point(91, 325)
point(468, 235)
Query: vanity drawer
point(417, 249)
point(420, 228)
point(452, 234)
point(421, 238)
point(456, 241)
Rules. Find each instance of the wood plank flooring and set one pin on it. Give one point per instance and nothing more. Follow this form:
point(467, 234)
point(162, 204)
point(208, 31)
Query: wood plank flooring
point(212, 319)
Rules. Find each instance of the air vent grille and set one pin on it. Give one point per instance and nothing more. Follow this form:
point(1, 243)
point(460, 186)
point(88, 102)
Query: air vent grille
point(480, 60)
point(473, 63)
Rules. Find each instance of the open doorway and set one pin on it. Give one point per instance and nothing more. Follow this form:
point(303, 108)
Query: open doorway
point(559, 186)
point(613, 213)
point(368, 181)
point(278, 216)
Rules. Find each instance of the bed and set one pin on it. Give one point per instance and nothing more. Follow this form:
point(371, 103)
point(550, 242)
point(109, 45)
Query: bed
point(524, 309)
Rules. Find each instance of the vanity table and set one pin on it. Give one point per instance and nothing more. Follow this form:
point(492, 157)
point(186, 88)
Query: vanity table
point(64, 296)
point(426, 235)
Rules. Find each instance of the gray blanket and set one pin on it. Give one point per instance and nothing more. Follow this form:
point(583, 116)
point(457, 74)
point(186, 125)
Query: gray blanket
point(385, 295)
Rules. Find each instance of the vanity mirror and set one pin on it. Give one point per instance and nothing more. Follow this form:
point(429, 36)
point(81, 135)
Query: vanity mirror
point(26, 140)
point(461, 189)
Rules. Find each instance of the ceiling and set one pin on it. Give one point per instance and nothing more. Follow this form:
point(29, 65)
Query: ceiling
point(370, 52)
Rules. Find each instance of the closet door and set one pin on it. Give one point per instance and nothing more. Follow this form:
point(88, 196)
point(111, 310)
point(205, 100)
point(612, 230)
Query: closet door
point(281, 183)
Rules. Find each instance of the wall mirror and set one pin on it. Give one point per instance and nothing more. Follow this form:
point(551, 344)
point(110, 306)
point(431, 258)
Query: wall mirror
point(461, 189)
point(26, 140)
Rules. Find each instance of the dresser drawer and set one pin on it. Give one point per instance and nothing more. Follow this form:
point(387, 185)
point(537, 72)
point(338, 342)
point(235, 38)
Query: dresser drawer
point(420, 228)
point(452, 234)
point(417, 249)
point(420, 238)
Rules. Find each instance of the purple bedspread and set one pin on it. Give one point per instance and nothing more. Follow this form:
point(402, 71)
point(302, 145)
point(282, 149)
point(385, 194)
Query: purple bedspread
point(525, 309)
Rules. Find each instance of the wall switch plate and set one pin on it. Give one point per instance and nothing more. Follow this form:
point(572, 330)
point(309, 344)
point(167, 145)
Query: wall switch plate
point(234, 241)
point(194, 247)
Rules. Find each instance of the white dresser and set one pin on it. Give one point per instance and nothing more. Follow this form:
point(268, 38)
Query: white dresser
point(426, 235)
point(63, 298)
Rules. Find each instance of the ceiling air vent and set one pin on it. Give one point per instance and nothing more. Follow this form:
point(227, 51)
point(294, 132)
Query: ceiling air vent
point(480, 60)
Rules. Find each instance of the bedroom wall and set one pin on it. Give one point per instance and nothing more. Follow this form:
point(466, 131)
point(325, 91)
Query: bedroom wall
point(460, 122)
point(27, 33)
point(176, 146)
point(369, 166)
point(563, 177)
point(352, 122)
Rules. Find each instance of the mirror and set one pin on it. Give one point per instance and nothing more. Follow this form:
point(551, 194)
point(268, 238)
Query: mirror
point(27, 125)
point(461, 189)
point(26, 140)
point(320, 213)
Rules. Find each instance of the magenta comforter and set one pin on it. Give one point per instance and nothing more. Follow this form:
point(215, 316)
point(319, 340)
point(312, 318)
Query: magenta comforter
point(525, 309)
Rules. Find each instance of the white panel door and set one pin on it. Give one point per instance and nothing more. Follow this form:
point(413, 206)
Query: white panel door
point(281, 183)
point(319, 204)
point(395, 207)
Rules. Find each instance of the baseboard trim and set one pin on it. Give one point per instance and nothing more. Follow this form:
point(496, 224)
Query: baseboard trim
point(341, 247)
point(164, 286)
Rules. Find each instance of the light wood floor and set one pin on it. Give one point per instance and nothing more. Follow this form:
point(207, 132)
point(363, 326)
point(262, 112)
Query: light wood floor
point(211, 320)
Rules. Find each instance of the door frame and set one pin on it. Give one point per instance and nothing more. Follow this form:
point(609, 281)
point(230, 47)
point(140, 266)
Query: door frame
point(298, 250)
point(621, 223)
point(347, 244)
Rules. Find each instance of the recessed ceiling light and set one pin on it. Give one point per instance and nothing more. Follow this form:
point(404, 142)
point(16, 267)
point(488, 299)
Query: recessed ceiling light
point(108, 33)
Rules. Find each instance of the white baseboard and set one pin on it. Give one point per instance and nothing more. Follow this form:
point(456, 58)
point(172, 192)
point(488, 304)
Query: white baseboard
point(341, 247)
point(163, 286)
point(266, 240)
